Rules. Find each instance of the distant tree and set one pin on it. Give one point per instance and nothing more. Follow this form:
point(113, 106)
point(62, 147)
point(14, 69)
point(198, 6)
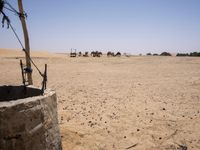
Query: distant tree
point(165, 54)
point(182, 54)
point(192, 54)
point(148, 54)
point(195, 54)
point(155, 54)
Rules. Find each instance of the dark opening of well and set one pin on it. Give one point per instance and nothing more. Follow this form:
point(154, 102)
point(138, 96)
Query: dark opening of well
point(8, 93)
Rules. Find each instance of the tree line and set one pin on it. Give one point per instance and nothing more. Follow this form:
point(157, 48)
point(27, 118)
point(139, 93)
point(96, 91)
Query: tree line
point(192, 54)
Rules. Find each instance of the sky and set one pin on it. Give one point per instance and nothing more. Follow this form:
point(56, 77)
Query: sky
point(132, 26)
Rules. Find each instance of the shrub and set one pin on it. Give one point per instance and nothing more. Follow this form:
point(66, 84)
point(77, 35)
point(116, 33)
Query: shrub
point(192, 54)
point(182, 54)
point(195, 54)
point(165, 54)
point(148, 54)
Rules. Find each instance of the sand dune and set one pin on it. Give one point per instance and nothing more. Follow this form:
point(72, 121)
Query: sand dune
point(120, 103)
point(19, 53)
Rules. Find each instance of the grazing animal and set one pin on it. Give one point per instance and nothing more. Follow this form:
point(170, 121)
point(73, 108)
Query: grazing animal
point(79, 54)
point(118, 54)
point(110, 54)
point(96, 54)
point(86, 54)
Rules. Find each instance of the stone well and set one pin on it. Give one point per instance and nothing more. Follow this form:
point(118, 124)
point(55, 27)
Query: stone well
point(28, 121)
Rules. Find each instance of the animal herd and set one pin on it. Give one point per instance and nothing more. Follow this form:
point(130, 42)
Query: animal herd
point(93, 54)
point(118, 54)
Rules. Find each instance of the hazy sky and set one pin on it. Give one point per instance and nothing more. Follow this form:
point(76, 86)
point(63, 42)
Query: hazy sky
point(136, 26)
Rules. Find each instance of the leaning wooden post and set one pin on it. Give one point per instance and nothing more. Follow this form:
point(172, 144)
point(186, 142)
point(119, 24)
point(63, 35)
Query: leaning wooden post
point(26, 40)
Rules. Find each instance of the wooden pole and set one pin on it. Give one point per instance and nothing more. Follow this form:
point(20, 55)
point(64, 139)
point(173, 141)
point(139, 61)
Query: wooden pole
point(26, 40)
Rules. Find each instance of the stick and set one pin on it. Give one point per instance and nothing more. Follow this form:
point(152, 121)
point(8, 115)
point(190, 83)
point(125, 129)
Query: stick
point(132, 146)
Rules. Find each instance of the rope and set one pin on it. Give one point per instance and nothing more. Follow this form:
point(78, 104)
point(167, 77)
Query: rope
point(9, 9)
point(33, 62)
point(25, 50)
point(1, 6)
point(24, 15)
point(16, 36)
point(13, 9)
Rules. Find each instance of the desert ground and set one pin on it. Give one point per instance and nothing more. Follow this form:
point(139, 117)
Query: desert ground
point(137, 103)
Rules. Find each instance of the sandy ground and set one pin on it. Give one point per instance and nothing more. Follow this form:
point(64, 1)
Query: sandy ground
point(142, 103)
